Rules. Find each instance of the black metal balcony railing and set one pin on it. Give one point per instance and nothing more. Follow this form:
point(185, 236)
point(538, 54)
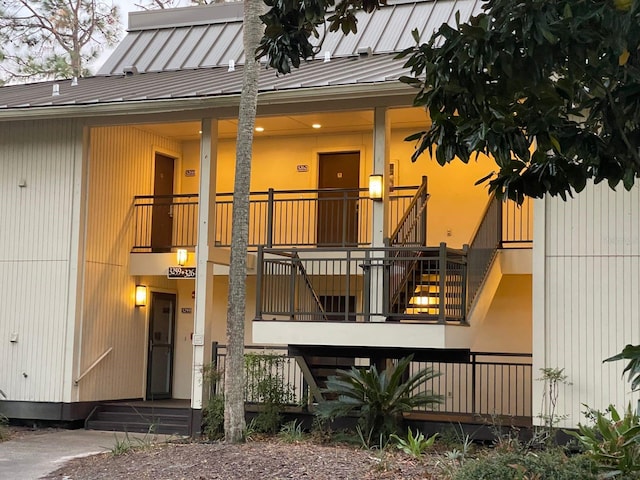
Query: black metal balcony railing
point(361, 284)
point(489, 384)
point(332, 218)
point(163, 222)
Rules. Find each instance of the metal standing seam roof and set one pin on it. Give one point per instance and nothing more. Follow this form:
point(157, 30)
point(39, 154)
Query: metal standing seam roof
point(211, 36)
point(203, 82)
point(181, 53)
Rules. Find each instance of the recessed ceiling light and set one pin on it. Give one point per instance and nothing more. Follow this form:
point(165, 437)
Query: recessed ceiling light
point(316, 125)
point(259, 129)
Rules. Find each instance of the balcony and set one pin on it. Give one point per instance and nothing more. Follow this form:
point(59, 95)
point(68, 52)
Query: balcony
point(359, 296)
point(327, 218)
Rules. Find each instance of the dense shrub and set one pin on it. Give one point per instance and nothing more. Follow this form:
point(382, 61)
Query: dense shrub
point(378, 398)
point(266, 384)
point(544, 465)
point(213, 418)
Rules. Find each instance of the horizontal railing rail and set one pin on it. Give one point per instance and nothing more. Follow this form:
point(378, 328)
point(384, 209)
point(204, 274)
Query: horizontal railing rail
point(489, 384)
point(328, 217)
point(354, 284)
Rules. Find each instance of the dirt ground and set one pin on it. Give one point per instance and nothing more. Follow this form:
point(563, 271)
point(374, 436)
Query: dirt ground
point(265, 459)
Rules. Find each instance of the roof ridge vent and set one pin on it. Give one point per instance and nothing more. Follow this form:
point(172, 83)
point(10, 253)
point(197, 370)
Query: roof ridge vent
point(364, 52)
point(74, 81)
point(327, 56)
point(130, 70)
point(56, 90)
point(232, 66)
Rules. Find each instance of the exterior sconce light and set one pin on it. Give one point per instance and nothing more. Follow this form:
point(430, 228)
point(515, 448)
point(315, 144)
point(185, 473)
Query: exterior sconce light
point(141, 296)
point(181, 257)
point(375, 187)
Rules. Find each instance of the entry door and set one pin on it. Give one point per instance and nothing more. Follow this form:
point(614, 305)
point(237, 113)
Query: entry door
point(337, 221)
point(162, 213)
point(161, 340)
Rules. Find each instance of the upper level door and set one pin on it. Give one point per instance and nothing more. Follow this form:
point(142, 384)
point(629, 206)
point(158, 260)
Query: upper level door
point(161, 345)
point(337, 221)
point(162, 213)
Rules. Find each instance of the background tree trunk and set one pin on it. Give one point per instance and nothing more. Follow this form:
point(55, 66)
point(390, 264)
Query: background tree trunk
point(234, 422)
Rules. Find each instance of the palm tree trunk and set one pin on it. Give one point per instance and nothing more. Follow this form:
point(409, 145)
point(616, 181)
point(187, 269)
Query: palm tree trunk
point(234, 422)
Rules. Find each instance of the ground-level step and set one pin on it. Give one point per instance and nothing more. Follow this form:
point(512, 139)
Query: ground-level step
point(125, 417)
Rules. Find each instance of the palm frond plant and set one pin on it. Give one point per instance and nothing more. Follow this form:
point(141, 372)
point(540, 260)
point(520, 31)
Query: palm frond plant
point(378, 398)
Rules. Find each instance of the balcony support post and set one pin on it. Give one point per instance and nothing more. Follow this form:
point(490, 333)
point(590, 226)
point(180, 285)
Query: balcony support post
point(203, 305)
point(442, 302)
point(379, 214)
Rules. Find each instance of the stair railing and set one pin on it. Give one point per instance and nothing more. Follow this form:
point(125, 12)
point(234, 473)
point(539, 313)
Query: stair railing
point(412, 227)
point(410, 232)
point(93, 365)
point(483, 247)
point(293, 266)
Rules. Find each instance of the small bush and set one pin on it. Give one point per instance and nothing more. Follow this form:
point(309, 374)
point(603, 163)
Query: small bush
point(414, 445)
point(127, 444)
point(291, 432)
point(213, 418)
point(545, 465)
point(4, 430)
point(613, 441)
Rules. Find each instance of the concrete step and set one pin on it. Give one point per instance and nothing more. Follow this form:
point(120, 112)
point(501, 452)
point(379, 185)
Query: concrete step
point(138, 427)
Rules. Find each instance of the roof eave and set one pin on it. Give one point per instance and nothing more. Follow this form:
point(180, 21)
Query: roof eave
point(281, 97)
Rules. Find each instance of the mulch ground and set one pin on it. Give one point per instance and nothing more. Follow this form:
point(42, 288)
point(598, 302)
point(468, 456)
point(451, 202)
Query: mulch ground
point(266, 459)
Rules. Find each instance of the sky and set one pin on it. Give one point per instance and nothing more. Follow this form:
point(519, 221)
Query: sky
point(127, 6)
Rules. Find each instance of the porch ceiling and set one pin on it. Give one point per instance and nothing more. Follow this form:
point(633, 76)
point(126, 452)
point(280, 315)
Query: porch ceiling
point(330, 122)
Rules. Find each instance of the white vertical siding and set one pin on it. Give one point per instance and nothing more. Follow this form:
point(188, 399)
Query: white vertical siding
point(35, 250)
point(591, 282)
point(120, 167)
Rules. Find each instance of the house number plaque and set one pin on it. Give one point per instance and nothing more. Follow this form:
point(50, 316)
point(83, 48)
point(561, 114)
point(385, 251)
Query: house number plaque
point(181, 272)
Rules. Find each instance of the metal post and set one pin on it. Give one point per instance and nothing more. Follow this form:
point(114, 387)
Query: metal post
point(344, 218)
point(423, 219)
point(214, 367)
point(465, 279)
point(473, 383)
point(500, 233)
point(292, 290)
point(443, 283)
point(347, 287)
point(386, 283)
point(366, 293)
point(259, 273)
point(270, 218)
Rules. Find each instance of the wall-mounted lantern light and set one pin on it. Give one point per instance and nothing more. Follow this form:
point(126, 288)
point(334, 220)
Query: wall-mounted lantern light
point(375, 187)
point(181, 257)
point(141, 295)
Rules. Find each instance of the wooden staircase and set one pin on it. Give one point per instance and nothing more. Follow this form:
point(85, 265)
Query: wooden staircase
point(135, 417)
point(323, 367)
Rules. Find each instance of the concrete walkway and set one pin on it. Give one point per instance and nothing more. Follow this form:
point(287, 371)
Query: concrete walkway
point(34, 455)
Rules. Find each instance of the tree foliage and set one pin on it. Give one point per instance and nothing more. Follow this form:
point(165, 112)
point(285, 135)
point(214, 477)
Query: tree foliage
point(551, 90)
point(49, 39)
